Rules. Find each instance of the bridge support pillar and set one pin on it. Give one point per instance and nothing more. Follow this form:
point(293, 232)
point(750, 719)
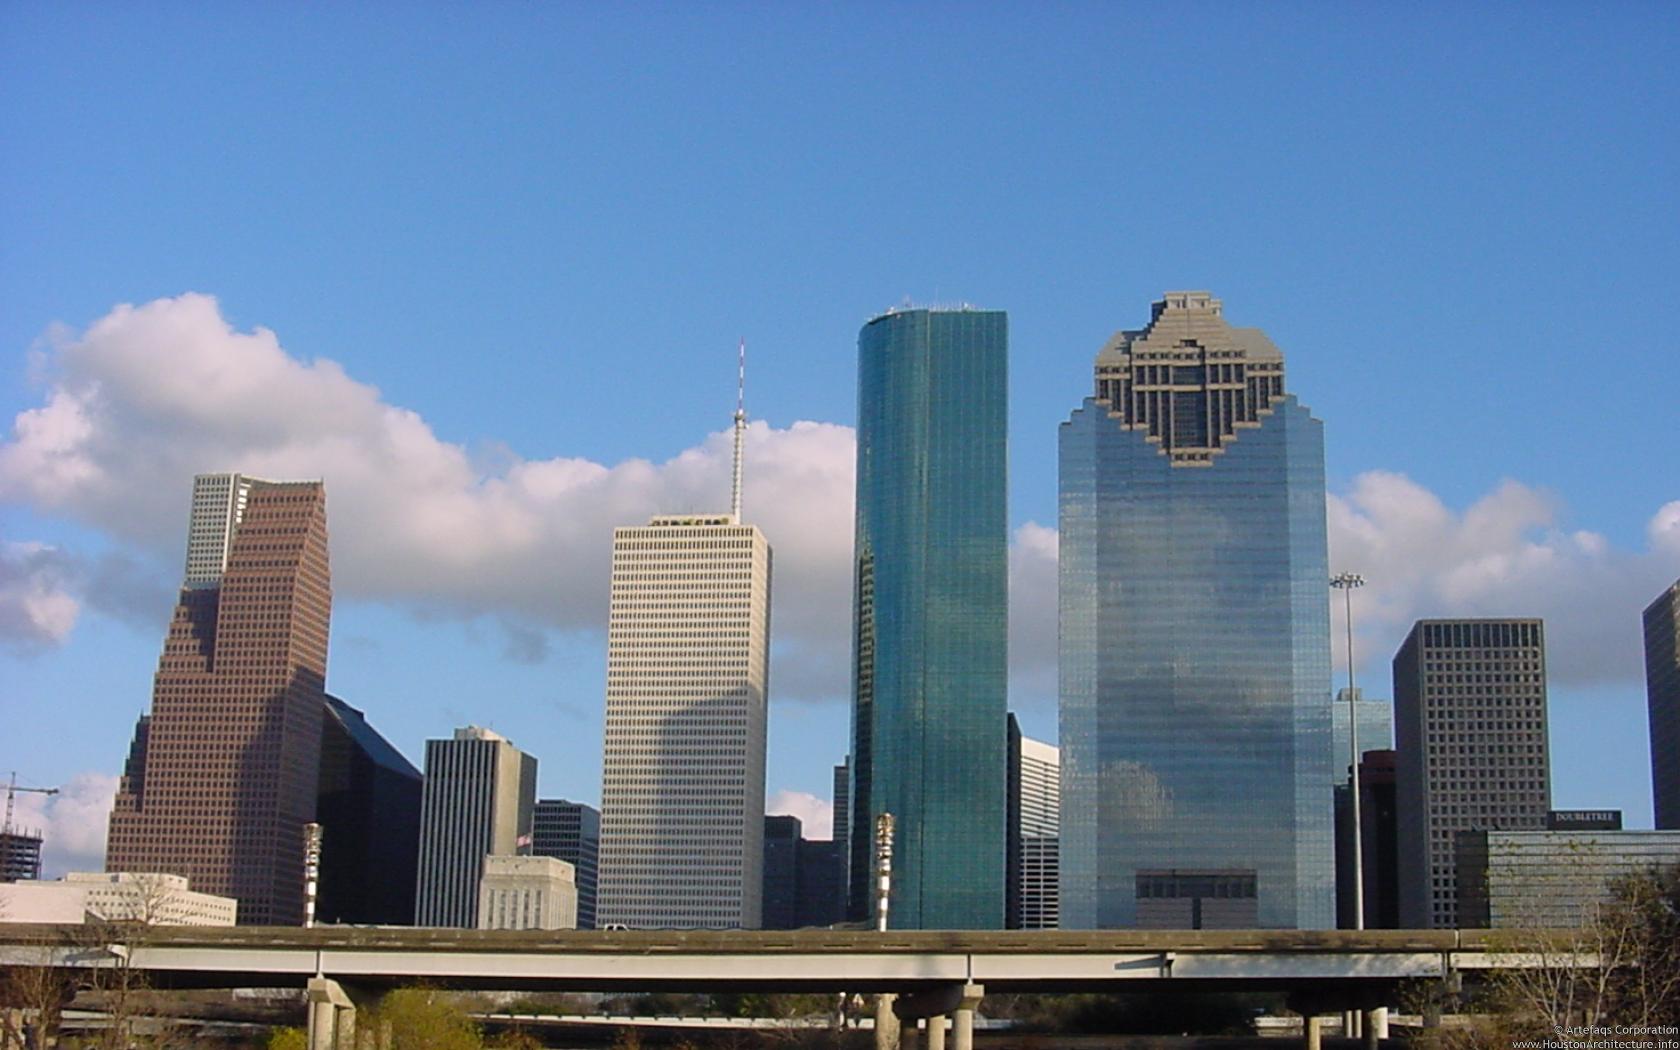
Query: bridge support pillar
point(886, 1023)
point(1312, 1026)
point(936, 1031)
point(1376, 1027)
point(963, 1028)
point(332, 1016)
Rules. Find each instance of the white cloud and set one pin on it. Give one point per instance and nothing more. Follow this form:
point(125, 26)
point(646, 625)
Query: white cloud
point(148, 396)
point(1505, 555)
point(1032, 616)
point(37, 610)
point(72, 823)
point(816, 816)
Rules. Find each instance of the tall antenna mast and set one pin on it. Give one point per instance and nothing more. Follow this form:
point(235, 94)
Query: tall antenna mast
point(740, 432)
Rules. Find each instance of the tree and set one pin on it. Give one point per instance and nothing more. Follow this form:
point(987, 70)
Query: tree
point(1631, 944)
point(425, 1019)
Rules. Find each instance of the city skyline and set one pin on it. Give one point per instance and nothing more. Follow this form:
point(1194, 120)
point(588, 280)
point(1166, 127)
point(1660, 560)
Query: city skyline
point(493, 363)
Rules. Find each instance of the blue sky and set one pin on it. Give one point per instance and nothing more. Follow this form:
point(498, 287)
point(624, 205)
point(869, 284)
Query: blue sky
point(505, 253)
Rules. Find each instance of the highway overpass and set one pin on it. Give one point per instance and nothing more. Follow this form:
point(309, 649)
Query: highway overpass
point(933, 974)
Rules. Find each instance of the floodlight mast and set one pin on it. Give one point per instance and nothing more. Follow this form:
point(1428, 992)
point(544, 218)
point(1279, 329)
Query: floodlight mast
point(740, 433)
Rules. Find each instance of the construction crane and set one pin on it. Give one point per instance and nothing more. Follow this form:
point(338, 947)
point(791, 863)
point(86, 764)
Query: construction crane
point(11, 799)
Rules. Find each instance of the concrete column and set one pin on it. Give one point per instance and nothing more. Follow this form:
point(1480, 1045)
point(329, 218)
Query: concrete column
point(1376, 1027)
point(907, 1034)
point(321, 1026)
point(936, 1031)
point(1313, 1028)
point(332, 1016)
point(1350, 1024)
point(886, 1023)
point(344, 1024)
point(963, 1029)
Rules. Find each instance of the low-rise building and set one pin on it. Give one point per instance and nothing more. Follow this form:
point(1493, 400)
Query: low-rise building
point(149, 897)
point(1547, 879)
point(527, 893)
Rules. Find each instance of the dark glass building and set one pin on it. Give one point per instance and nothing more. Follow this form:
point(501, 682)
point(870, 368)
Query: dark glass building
point(801, 877)
point(1377, 843)
point(1662, 691)
point(369, 811)
point(1195, 634)
point(930, 632)
point(571, 831)
point(781, 872)
point(841, 833)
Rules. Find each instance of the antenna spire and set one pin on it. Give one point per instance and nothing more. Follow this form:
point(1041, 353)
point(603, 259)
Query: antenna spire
point(740, 431)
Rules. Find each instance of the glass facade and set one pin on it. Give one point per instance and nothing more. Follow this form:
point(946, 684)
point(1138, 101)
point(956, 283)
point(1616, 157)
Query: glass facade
point(931, 615)
point(1194, 624)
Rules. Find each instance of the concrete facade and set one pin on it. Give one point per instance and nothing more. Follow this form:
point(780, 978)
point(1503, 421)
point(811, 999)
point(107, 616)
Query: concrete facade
point(527, 893)
point(151, 898)
point(682, 784)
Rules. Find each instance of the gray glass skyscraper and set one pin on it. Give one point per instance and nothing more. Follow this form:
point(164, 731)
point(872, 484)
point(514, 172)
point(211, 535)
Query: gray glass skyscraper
point(1195, 636)
point(930, 634)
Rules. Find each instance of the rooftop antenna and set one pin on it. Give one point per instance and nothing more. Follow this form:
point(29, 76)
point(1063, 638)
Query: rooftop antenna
point(740, 432)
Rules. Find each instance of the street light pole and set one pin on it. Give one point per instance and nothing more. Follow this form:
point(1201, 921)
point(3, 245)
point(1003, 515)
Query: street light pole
point(1346, 582)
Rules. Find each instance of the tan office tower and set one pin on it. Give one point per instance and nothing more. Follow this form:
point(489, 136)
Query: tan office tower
point(682, 795)
point(222, 775)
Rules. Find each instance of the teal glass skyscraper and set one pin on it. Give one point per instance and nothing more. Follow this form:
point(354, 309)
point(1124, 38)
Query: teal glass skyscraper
point(1195, 636)
point(930, 630)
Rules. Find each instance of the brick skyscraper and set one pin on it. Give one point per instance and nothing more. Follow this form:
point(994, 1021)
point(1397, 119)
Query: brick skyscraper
point(223, 775)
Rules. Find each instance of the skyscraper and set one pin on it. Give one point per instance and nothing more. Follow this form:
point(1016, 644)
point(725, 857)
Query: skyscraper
point(1033, 890)
point(1195, 634)
point(930, 628)
point(840, 833)
point(682, 784)
point(571, 831)
point(782, 835)
point(369, 812)
point(1470, 748)
point(479, 796)
point(223, 775)
point(1662, 692)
